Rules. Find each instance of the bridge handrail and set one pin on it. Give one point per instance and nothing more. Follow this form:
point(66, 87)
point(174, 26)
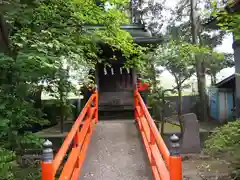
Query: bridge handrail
point(164, 165)
point(160, 142)
point(80, 136)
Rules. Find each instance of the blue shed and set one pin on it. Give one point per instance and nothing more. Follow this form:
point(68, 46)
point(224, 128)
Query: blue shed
point(221, 100)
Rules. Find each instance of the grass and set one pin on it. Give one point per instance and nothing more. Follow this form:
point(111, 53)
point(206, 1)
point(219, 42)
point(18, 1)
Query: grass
point(28, 173)
point(170, 128)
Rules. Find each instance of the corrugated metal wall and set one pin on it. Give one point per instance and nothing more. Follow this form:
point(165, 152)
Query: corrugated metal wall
point(230, 100)
point(221, 104)
point(213, 103)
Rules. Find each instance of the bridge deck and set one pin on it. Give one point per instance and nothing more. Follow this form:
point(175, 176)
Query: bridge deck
point(116, 152)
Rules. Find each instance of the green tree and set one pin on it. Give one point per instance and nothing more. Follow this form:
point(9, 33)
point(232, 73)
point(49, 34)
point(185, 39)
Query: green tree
point(6, 164)
point(177, 58)
point(215, 62)
point(44, 33)
point(38, 35)
point(226, 16)
point(187, 14)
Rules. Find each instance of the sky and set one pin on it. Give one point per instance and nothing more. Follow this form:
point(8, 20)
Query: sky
point(166, 78)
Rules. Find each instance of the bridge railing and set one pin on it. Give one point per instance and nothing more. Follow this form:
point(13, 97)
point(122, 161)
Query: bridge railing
point(76, 143)
point(165, 165)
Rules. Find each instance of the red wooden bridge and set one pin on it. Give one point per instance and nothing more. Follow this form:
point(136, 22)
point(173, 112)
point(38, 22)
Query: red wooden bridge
point(111, 150)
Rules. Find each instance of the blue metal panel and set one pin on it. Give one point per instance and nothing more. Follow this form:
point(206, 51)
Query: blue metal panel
point(222, 105)
point(230, 105)
point(214, 103)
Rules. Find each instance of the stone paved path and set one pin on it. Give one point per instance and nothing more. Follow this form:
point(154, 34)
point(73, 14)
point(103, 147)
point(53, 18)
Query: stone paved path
point(116, 152)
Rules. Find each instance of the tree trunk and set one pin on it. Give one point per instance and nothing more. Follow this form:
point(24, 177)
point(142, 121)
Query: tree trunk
point(156, 109)
point(202, 95)
point(61, 100)
point(162, 114)
point(61, 113)
point(199, 65)
point(162, 124)
point(180, 108)
point(153, 75)
point(4, 41)
point(214, 79)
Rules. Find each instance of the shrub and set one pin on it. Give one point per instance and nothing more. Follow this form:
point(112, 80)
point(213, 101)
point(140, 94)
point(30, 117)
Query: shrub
point(6, 164)
point(225, 143)
point(27, 173)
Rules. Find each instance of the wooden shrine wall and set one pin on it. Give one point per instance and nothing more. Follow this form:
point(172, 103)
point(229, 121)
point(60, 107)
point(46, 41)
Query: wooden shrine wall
point(116, 85)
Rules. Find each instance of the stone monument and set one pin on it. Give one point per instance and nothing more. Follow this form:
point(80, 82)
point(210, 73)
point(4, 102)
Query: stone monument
point(191, 134)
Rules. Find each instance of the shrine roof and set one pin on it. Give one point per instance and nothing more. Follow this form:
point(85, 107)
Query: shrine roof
point(137, 31)
point(228, 82)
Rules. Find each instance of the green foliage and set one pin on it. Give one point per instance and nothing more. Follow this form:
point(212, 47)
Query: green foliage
point(58, 28)
point(27, 173)
point(30, 140)
point(215, 62)
point(36, 175)
point(227, 18)
point(178, 59)
point(6, 164)
point(224, 143)
point(17, 111)
point(45, 36)
point(47, 40)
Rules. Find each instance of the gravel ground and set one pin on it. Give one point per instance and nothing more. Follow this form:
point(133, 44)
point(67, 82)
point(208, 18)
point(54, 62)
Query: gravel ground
point(116, 152)
point(200, 167)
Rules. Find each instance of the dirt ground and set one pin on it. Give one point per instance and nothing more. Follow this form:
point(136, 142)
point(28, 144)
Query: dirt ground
point(200, 167)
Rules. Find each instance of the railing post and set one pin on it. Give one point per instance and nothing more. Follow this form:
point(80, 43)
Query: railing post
point(88, 116)
point(135, 104)
point(47, 161)
point(76, 139)
point(152, 137)
point(152, 142)
point(175, 160)
point(96, 104)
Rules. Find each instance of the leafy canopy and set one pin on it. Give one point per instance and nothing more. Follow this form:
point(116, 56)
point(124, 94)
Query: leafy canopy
point(178, 58)
point(226, 15)
point(42, 36)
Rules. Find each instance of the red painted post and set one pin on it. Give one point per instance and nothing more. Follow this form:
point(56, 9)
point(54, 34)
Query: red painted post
point(152, 138)
point(135, 104)
point(153, 163)
point(140, 125)
point(96, 104)
point(175, 160)
point(47, 171)
point(76, 139)
point(47, 162)
point(90, 122)
point(76, 144)
point(175, 163)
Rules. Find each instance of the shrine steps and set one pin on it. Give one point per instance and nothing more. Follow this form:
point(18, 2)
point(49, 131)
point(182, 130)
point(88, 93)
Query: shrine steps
point(123, 112)
point(116, 112)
